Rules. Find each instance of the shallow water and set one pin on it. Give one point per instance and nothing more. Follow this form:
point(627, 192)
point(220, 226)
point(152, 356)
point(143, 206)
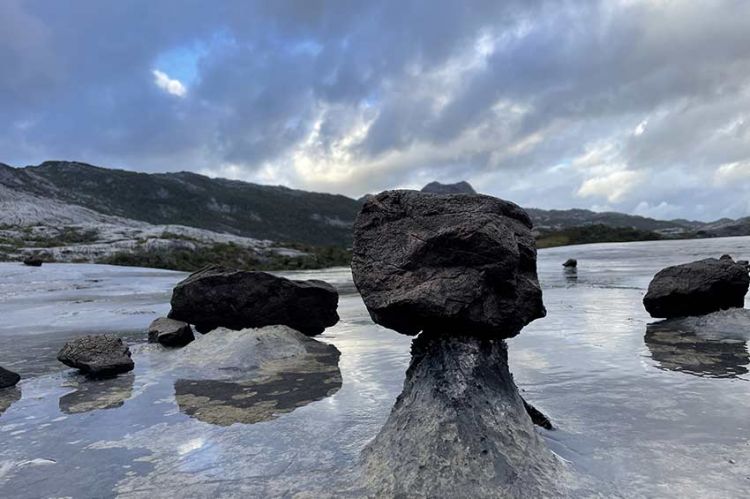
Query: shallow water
point(636, 415)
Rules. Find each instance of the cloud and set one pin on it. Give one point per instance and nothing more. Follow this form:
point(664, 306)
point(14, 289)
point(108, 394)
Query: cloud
point(633, 104)
point(169, 85)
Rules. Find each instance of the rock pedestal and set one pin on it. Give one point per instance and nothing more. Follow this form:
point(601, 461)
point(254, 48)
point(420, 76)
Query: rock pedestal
point(459, 428)
point(219, 297)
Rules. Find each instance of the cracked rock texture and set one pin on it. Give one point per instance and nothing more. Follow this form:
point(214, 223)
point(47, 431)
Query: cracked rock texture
point(697, 288)
point(446, 262)
point(460, 428)
point(219, 297)
point(97, 355)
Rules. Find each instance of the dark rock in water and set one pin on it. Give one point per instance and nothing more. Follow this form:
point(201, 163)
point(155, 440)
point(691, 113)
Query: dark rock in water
point(570, 263)
point(537, 416)
point(33, 262)
point(697, 288)
point(446, 262)
point(170, 333)
point(462, 187)
point(219, 297)
point(712, 345)
point(8, 396)
point(97, 355)
point(460, 428)
point(8, 378)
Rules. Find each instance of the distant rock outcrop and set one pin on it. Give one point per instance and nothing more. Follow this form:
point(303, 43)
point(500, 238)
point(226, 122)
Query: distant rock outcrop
point(170, 333)
point(97, 355)
point(8, 378)
point(455, 262)
point(462, 187)
point(461, 269)
point(33, 262)
point(697, 288)
point(220, 297)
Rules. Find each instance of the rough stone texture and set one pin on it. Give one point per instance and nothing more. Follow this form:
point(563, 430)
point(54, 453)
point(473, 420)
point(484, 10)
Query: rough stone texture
point(219, 297)
point(170, 333)
point(97, 355)
point(570, 263)
point(462, 187)
point(8, 378)
point(459, 428)
point(446, 262)
point(712, 345)
point(697, 288)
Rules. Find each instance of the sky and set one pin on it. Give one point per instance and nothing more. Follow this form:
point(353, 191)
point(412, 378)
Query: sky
point(639, 106)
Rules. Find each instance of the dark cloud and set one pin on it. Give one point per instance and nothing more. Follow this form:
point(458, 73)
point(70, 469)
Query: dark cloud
point(633, 105)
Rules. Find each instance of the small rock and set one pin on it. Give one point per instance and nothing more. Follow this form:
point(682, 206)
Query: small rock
point(697, 288)
point(8, 378)
point(170, 333)
point(33, 262)
point(97, 355)
point(570, 263)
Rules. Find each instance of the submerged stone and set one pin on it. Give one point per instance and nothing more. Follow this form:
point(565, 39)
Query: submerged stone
point(93, 395)
point(219, 297)
point(697, 288)
point(446, 262)
point(97, 355)
point(459, 428)
point(570, 263)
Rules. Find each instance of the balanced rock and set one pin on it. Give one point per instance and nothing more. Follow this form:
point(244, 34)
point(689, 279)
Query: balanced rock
point(219, 297)
point(570, 263)
point(697, 288)
point(33, 262)
point(448, 262)
point(170, 333)
point(8, 378)
point(97, 355)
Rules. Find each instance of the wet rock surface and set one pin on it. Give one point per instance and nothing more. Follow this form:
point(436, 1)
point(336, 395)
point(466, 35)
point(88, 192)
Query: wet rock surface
point(712, 345)
point(8, 378)
point(219, 297)
point(8, 396)
point(459, 428)
point(697, 288)
point(170, 333)
point(447, 262)
point(570, 263)
point(97, 355)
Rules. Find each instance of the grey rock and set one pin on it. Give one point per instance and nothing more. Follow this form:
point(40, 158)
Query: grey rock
point(170, 333)
point(9, 396)
point(447, 262)
point(219, 297)
point(462, 187)
point(570, 263)
point(460, 428)
point(697, 288)
point(97, 355)
point(8, 378)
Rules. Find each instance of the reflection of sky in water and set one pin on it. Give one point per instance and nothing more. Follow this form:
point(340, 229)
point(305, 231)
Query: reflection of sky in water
point(628, 426)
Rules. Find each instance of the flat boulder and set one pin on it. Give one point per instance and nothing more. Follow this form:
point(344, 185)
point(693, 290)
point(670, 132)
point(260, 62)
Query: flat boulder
point(235, 299)
point(97, 355)
point(697, 288)
point(170, 333)
point(8, 378)
point(463, 263)
point(33, 262)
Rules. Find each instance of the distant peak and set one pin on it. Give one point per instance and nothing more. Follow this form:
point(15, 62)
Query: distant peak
point(462, 187)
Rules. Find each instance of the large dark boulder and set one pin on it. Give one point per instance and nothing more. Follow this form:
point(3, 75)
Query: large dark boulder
point(697, 288)
point(219, 297)
point(97, 355)
point(464, 263)
point(460, 428)
point(170, 333)
point(33, 261)
point(8, 378)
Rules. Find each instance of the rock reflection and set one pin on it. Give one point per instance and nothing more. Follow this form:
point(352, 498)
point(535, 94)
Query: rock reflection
point(8, 396)
point(708, 346)
point(571, 275)
point(96, 394)
point(274, 391)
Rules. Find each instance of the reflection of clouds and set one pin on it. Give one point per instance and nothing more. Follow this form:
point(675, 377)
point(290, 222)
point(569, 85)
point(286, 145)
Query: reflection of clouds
point(696, 346)
point(96, 394)
point(8, 396)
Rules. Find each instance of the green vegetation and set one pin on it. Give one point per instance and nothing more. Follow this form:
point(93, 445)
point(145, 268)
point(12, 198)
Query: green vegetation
point(230, 255)
point(593, 234)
